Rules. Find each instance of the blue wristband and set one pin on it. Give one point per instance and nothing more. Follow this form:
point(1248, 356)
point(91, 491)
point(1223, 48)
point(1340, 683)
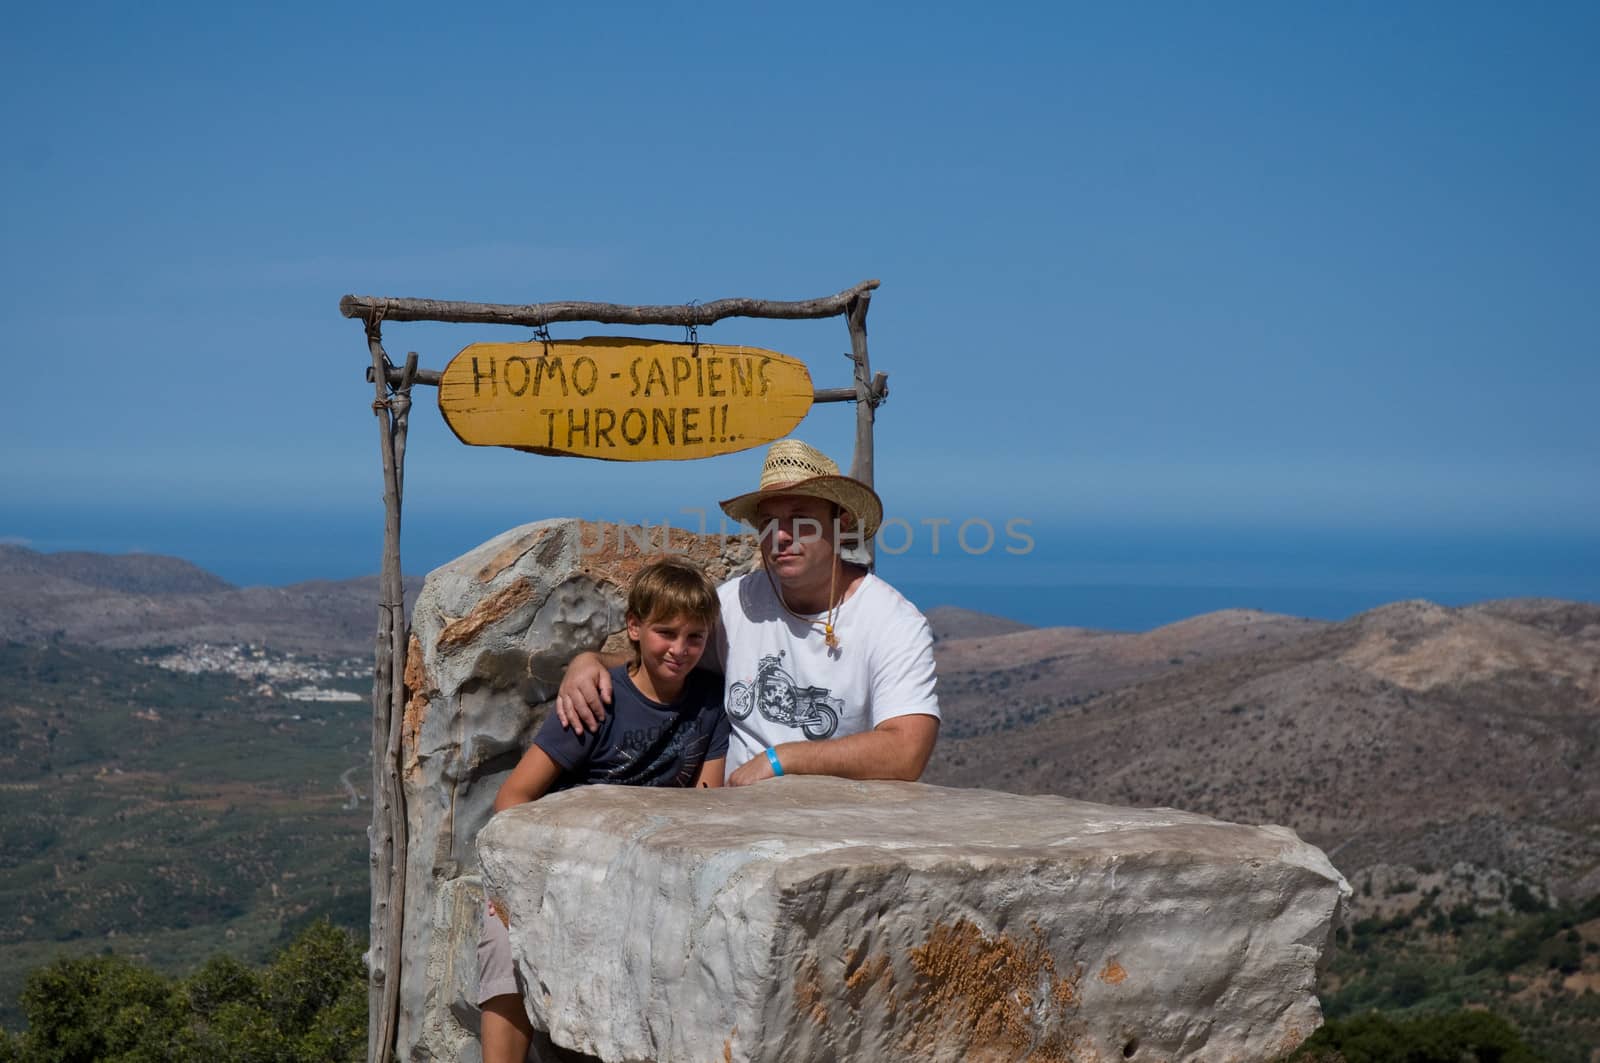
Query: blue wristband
point(772, 756)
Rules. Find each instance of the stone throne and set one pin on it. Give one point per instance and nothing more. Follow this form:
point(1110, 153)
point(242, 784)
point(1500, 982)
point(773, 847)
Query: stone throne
point(810, 918)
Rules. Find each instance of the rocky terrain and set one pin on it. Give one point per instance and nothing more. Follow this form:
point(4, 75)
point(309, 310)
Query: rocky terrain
point(953, 622)
point(1443, 758)
point(123, 601)
point(904, 921)
point(1411, 735)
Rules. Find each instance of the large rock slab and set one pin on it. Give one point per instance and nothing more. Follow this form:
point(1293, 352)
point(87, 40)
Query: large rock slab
point(814, 918)
point(491, 633)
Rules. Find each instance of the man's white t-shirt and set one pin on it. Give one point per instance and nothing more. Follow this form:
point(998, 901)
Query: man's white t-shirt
point(783, 683)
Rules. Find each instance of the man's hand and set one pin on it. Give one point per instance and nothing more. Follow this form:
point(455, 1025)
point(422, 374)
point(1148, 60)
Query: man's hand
point(898, 748)
point(757, 769)
point(585, 692)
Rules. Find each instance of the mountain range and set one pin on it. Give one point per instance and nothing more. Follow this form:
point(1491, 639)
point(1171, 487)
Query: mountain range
point(1411, 734)
point(130, 601)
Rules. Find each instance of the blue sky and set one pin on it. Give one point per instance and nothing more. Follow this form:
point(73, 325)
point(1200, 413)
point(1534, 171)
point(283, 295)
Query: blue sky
point(1167, 270)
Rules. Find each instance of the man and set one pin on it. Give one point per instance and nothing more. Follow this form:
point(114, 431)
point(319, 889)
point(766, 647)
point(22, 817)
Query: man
point(829, 671)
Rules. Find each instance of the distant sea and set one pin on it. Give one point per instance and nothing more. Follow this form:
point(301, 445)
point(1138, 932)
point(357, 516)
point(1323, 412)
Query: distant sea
point(1135, 579)
point(1137, 607)
point(1125, 578)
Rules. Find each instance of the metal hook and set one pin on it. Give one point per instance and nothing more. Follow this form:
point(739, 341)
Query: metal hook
point(691, 331)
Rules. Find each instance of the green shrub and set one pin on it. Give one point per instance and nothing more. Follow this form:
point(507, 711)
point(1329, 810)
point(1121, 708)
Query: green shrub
point(1524, 900)
point(1590, 909)
point(97, 1008)
point(309, 1005)
point(1409, 986)
point(1565, 956)
point(1442, 1038)
point(312, 974)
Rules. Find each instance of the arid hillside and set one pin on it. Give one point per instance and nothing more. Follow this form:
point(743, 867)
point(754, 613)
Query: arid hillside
point(1412, 734)
point(953, 622)
point(125, 601)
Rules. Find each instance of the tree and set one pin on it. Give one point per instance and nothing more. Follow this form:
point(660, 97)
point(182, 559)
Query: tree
point(310, 1004)
point(97, 1008)
point(1439, 1038)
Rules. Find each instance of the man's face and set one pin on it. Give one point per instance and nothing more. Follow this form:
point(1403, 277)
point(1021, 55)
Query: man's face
point(797, 536)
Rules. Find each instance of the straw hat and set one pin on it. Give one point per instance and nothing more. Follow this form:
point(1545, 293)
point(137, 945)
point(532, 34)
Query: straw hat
point(793, 468)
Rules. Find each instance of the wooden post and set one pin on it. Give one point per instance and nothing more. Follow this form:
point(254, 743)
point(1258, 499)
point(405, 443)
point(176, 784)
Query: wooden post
point(856, 318)
point(387, 835)
point(866, 399)
point(533, 314)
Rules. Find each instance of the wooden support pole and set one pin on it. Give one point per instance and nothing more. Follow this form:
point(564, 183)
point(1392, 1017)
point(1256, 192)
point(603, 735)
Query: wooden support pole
point(535, 314)
point(880, 386)
point(400, 408)
point(867, 398)
point(387, 835)
point(427, 377)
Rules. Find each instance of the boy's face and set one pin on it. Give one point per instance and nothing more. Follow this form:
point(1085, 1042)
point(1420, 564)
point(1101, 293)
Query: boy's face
point(669, 647)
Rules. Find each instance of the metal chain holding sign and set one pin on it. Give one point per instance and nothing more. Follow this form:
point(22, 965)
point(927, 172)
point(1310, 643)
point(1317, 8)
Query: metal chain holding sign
point(691, 331)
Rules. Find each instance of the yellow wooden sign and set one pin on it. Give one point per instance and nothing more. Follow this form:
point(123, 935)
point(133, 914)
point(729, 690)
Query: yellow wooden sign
point(621, 398)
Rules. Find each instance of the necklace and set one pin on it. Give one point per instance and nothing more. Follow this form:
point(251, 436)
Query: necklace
point(828, 636)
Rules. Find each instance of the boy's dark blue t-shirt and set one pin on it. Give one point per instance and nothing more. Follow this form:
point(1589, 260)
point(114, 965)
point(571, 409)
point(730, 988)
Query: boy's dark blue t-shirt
point(643, 742)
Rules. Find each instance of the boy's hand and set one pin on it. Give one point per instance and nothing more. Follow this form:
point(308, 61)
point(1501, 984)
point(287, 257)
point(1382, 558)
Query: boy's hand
point(585, 692)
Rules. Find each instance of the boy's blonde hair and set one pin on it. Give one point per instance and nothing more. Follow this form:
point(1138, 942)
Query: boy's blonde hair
point(670, 588)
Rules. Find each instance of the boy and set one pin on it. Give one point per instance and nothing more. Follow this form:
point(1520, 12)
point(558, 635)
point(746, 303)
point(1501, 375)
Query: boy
point(666, 728)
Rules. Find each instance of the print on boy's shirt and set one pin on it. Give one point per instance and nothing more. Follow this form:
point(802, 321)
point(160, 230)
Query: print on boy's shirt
point(777, 697)
point(648, 751)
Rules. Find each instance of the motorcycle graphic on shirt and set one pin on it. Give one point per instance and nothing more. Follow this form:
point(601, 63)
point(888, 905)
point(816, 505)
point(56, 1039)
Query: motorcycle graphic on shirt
point(776, 696)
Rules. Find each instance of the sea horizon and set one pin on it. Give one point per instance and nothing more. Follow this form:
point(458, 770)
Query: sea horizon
point(1132, 577)
point(1138, 608)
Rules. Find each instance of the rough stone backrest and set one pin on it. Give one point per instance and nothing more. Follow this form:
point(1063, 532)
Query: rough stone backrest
point(491, 634)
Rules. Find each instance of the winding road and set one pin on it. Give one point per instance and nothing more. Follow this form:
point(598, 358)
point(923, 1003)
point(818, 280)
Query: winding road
point(344, 780)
